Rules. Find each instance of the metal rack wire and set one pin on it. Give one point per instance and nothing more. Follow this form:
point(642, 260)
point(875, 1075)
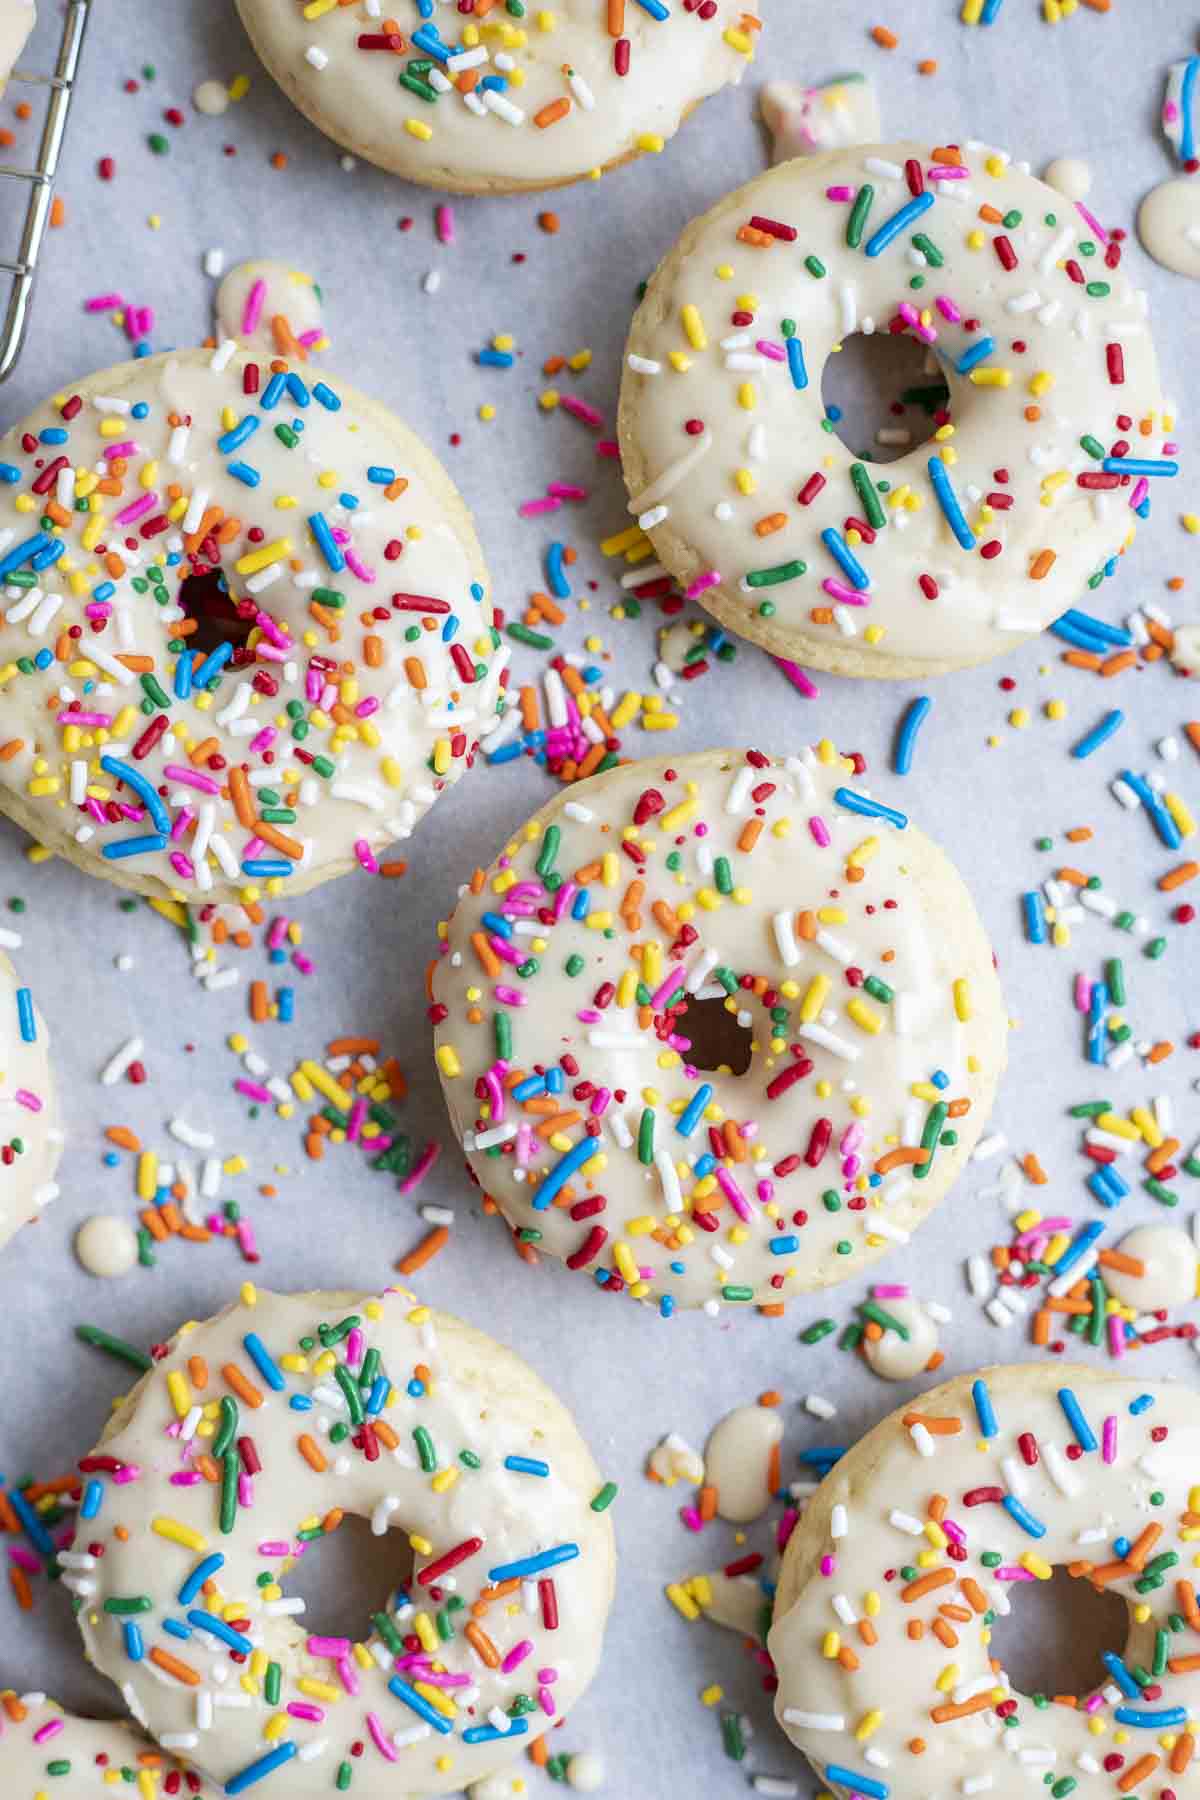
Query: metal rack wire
point(40, 180)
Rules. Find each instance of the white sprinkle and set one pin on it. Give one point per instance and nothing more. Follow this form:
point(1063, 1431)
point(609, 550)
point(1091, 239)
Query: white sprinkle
point(120, 1063)
point(785, 939)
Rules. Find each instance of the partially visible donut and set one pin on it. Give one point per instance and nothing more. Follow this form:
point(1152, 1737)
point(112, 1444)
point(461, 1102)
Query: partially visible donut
point(245, 639)
point(1051, 437)
point(524, 99)
point(254, 1435)
point(31, 1137)
point(924, 1533)
point(654, 929)
point(45, 1750)
point(17, 20)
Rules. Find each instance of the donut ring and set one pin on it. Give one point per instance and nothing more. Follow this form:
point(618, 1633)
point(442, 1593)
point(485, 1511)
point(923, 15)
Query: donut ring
point(598, 88)
point(31, 1137)
point(468, 1452)
point(356, 648)
point(562, 971)
point(1033, 1468)
point(960, 548)
point(41, 1743)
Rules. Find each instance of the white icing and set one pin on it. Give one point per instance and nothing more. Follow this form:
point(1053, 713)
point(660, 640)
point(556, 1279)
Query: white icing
point(738, 1461)
point(270, 307)
point(1069, 176)
point(804, 121)
point(1168, 224)
point(37, 1731)
point(106, 1245)
point(898, 1358)
point(1169, 1259)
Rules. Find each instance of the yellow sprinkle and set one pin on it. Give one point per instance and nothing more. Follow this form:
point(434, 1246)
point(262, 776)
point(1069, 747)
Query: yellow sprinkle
point(181, 1394)
point(693, 325)
point(962, 999)
point(176, 1533)
point(682, 1601)
point(414, 127)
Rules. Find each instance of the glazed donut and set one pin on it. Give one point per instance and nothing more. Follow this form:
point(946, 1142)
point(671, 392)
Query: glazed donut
point(756, 911)
point(915, 1542)
point(1033, 481)
point(31, 1137)
point(244, 638)
point(41, 1743)
point(254, 1436)
point(543, 97)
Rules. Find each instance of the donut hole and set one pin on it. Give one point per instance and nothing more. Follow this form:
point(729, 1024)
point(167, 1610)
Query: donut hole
point(206, 600)
point(879, 396)
point(718, 1040)
point(1054, 1637)
point(348, 1574)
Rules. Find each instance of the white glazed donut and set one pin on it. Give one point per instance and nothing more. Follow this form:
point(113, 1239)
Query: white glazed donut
point(963, 546)
point(522, 99)
point(31, 1138)
point(338, 684)
point(258, 1431)
point(721, 890)
point(41, 1745)
point(918, 1539)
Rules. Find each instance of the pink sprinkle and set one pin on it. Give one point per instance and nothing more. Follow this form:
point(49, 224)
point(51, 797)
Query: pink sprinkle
point(366, 856)
point(354, 1124)
point(314, 335)
point(24, 1559)
point(702, 583)
point(775, 352)
point(185, 1478)
point(1009, 1572)
point(839, 193)
point(819, 831)
point(579, 409)
point(247, 1242)
point(1043, 1229)
point(184, 819)
point(252, 311)
point(273, 1547)
point(443, 221)
point(566, 490)
point(796, 675)
point(606, 447)
point(785, 1527)
point(355, 1347)
point(379, 1738)
point(1108, 1439)
point(126, 1473)
point(191, 778)
point(1116, 1335)
point(103, 303)
point(846, 596)
point(253, 1090)
point(327, 1646)
point(1083, 994)
point(50, 1729)
point(735, 1196)
point(358, 567)
point(546, 1701)
point(510, 997)
point(300, 1709)
point(947, 172)
point(83, 718)
point(182, 865)
point(516, 1656)
point(890, 1290)
point(423, 1164)
point(1091, 221)
point(828, 1564)
point(126, 449)
point(348, 1675)
point(691, 1518)
point(533, 509)
point(948, 309)
point(1139, 493)
point(140, 507)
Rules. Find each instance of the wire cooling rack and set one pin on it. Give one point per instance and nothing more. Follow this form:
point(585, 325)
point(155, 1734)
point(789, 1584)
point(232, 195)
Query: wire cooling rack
point(39, 179)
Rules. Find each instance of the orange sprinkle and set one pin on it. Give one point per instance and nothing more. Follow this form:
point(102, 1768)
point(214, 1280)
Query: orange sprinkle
point(1179, 876)
point(887, 40)
point(1145, 1765)
point(482, 1645)
point(244, 1389)
point(426, 1250)
point(310, 1450)
point(552, 113)
point(182, 1671)
point(925, 1584)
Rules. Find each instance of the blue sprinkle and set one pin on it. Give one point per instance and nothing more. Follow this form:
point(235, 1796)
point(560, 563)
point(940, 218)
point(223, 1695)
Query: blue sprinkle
point(526, 1465)
point(947, 499)
point(326, 397)
point(272, 393)
point(32, 1526)
point(266, 1765)
point(177, 1629)
point(495, 359)
point(212, 665)
point(655, 8)
point(985, 1412)
point(208, 1622)
point(53, 434)
point(977, 353)
point(533, 1565)
point(1137, 465)
point(139, 846)
point(861, 1784)
point(298, 389)
point(9, 474)
point(301, 1403)
point(783, 1246)
point(142, 787)
point(249, 477)
point(287, 1005)
point(134, 1647)
point(93, 1495)
point(692, 1113)
point(233, 440)
point(1149, 1720)
point(1023, 1516)
point(26, 1017)
point(899, 221)
point(49, 555)
point(263, 868)
point(913, 720)
point(1035, 917)
point(415, 1703)
point(559, 1176)
point(1084, 1434)
point(1142, 1404)
point(559, 585)
point(380, 477)
point(796, 364)
point(846, 560)
point(581, 905)
point(203, 1571)
point(1099, 734)
point(1121, 1675)
point(1111, 634)
point(263, 1361)
point(319, 527)
point(869, 809)
point(529, 1089)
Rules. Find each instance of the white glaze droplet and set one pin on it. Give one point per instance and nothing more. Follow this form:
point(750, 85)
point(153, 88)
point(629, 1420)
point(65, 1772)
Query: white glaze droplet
point(1069, 176)
point(106, 1245)
point(284, 292)
point(1168, 224)
point(737, 1461)
point(1185, 651)
point(803, 121)
point(734, 1601)
point(1170, 1260)
point(211, 98)
point(586, 1772)
point(897, 1358)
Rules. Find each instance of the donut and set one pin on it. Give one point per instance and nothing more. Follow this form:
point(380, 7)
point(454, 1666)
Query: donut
point(544, 96)
point(1040, 460)
point(272, 308)
point(919, 1538)
point(717, 1029)
point(254, 1436)
point(31, 1137)
point(41, 1743)
point(17, 20)
point(245, 641)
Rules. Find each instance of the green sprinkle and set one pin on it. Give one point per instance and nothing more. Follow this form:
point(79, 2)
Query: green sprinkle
point(865, 489)
point(158, 143)
point(602, 1500)
point(645, 1146)
point(815, 267)
point(230, 1466)
point(879, 990)
point(537, 640)
point(349, 1387)
point(124, 1606)
point(101, 1340)
point(722, 875)
point(930, 1138)
point(1155, 948)
point(574, 964)
point(1090, 1109)
point(549, 850)
point(1094, 447)
point(821, 1329)
point(928, 249)
point(273, 1684)
point(425, 1449)
point(1114, 975)
point(858, 215)
point(1160, 1193)
point(732, 1736)
point(227, 1429)
point(737, 1293)
point(788, 571)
